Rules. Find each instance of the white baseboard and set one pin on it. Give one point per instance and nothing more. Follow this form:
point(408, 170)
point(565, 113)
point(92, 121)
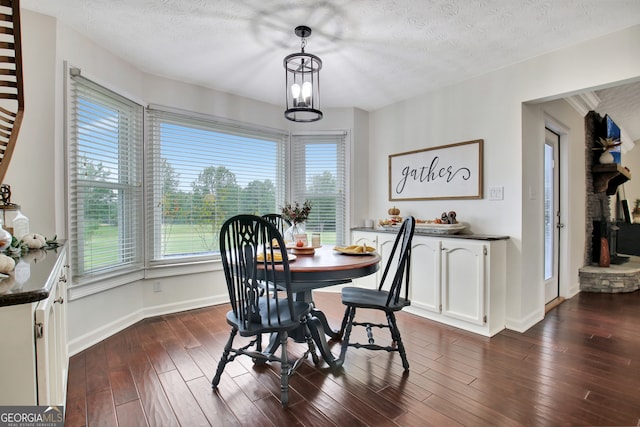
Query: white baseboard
point(521, 325)
point(87, 340)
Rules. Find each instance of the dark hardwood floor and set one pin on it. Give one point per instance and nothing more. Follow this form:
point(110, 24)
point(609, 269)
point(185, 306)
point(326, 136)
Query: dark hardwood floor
point(580, 366)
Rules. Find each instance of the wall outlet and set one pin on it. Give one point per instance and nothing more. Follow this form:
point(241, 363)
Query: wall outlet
point(496, 193)
point(157, 287)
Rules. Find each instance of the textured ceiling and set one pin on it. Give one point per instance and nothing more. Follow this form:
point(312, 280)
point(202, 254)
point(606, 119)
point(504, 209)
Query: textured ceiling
point(375, 52)
point(622, 103)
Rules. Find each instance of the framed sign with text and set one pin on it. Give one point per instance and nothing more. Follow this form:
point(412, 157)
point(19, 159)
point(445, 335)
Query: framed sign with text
point(446, 172)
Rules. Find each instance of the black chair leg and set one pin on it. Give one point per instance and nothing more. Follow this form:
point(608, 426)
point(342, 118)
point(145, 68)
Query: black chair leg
point(344, 321)
point(224, 359)
point(312, 347)
point(347, 324)
point(395, 335)
point(284, 369)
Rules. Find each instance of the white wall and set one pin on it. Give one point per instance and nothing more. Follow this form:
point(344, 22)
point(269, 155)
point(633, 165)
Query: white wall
point(631, 159)
point(488, 107)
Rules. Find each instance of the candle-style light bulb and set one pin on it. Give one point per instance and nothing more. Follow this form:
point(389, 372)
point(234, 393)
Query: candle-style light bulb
point(295, 93)
point(306, 92)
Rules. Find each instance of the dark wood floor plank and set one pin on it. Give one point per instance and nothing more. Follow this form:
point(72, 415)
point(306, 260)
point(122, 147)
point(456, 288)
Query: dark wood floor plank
point(576, 367)
point(338, 384)
point(75, 414)
point(154, 401)
point(130, 414)
point(307, 414)
point(159, 357)
point(242, 407)
point(204, 361)
point(122, 385)
point(182, 360)
point(97, 377)
point(182, 401)
point(177, 324)
point(77, 377)
point(273, 411)
point(422, 414)
point(101, 411)
point(212, 406)
point(116, 350)
point(331, 408)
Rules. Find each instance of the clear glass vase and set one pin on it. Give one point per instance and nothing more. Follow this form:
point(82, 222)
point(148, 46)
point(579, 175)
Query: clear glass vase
point(295, 232)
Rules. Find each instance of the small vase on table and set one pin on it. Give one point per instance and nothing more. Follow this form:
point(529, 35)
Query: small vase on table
point(296, 232)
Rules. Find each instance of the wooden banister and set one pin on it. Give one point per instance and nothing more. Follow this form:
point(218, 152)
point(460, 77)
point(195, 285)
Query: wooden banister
point(11, 83)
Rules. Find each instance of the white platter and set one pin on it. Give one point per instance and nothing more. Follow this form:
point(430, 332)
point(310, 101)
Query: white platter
point(441, 228)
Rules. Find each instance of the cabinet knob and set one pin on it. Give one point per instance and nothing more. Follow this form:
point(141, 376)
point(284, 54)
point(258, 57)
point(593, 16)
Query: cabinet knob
point(63, 278)
point(59, 300)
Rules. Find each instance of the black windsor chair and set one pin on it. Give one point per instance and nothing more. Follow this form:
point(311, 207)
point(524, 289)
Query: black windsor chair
point(251, 263)
point(390, 300)
point(276, 219)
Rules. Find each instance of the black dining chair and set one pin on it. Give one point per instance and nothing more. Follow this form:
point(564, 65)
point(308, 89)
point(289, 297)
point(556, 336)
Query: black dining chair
point(251, 262)
point(276, 219)
point(390, 297)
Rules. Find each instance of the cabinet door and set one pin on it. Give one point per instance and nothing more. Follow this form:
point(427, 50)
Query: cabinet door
point(362, 238)
point(369, 239)
point(51, 345)
point(425, 274)
point(385, 245)
point(463, 281)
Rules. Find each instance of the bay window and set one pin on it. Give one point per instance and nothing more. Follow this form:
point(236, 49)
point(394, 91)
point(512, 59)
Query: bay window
point(151, 187)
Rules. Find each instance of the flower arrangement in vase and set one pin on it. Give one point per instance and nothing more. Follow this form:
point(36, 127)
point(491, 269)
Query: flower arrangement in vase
point(296, 215)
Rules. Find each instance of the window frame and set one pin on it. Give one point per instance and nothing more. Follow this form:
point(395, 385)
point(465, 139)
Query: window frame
point(153, 198)
point(96, 280)
point(321, 137)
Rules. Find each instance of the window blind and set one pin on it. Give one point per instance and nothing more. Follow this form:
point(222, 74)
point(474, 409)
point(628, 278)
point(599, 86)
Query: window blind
point(105, 173)
point(203, 170)
point(319, 175)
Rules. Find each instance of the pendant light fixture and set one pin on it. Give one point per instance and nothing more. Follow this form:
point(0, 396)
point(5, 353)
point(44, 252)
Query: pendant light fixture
point(302, 88)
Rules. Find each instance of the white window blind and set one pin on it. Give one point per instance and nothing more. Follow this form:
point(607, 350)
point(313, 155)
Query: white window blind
point(105, 172)
point(201, 171)
point(319, 175)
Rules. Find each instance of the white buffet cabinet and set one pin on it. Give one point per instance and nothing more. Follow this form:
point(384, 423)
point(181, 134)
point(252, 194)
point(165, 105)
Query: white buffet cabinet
point(458, 280)
point(34, 357)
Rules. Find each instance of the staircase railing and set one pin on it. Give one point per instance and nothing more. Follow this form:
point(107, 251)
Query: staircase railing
point(11, 83)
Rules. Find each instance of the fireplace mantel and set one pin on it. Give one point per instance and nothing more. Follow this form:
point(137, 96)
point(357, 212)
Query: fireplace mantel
point(608, 177)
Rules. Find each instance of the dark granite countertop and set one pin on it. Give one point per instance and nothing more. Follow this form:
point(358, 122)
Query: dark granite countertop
point(444, 236)
point(31, 280)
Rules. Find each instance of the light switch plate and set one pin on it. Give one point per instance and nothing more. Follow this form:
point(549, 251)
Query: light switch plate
point(496, 193)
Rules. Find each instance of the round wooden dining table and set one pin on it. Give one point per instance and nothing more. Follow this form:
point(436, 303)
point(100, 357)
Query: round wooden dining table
point(326, 267)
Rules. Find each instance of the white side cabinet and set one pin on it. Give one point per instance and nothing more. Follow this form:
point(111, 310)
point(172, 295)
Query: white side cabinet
point(459, 281)
point(34, 357)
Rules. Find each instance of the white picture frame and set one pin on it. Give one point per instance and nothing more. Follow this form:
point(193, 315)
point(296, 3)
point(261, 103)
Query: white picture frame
point(451, 171)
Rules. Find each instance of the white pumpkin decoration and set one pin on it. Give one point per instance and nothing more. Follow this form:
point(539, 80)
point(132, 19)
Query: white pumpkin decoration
point(34, 240)
point(7, 264)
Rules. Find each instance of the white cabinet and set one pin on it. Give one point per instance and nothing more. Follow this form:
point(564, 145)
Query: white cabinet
point(369, 239)
point(460, 281)
point(463, 280)
point(34, 357)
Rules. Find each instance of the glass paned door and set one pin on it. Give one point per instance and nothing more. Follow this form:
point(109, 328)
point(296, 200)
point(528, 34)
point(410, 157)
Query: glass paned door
point(551, 214)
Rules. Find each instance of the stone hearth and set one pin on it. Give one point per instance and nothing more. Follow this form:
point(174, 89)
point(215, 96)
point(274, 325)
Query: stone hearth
point(616, 278)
